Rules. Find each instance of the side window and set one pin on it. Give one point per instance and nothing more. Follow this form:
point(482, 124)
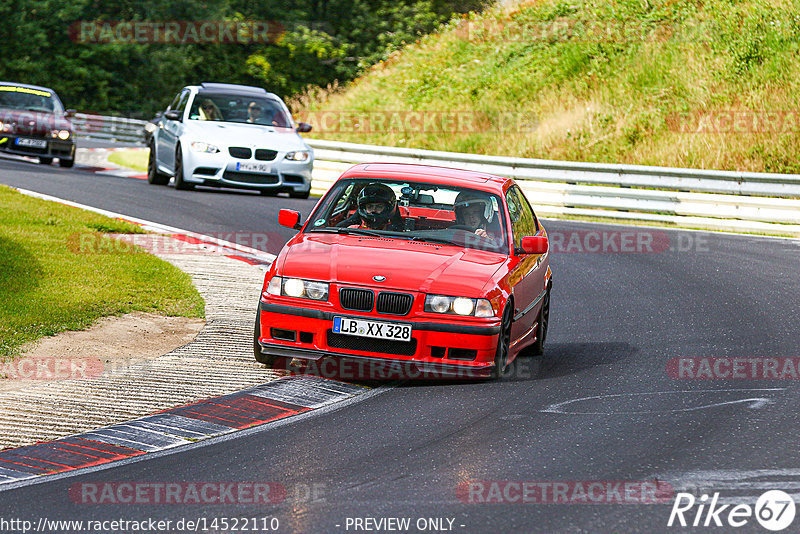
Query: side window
point(523, 220)
point(174, 103)
point(183, 101)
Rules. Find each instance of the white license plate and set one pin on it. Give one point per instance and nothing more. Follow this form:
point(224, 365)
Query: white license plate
point(373, 329)
point(34, 143)
point(246, 166)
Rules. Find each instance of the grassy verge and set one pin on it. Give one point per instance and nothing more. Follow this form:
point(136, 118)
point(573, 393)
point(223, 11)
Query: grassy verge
point(711, 85)
point(131, 158)
point(48, 284)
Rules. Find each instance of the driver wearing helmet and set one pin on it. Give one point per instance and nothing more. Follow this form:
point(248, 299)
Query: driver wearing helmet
point(377, 209)
point(475, 211)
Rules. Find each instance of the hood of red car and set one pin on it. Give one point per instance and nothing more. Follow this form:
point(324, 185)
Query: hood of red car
point(33, 122)
point(406, 265)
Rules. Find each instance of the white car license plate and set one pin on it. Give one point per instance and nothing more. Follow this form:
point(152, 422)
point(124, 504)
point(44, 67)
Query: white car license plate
point(34, 143)
point(373, 329)
point(246, 166)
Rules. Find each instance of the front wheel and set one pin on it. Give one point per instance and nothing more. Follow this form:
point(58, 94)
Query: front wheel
point(503, 345)
point(537, 349)
point(45, 160)
point(67, 163)
point(154, 176)
point(180, 183)
point(300, 194)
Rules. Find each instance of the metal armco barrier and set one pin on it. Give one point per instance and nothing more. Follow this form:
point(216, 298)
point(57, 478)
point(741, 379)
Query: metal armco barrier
point(108, 128)
point(713, 200)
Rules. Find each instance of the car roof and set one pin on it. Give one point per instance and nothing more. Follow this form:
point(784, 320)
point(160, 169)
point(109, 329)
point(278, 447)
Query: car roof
point(230, 88)
point(428, 173)
point(27, 86)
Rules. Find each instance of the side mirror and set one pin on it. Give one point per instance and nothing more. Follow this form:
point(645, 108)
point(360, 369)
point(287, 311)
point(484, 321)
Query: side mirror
point(303, 127)
point(534, 244)
point(69, 112)
point(289, 219)
point(173, 115)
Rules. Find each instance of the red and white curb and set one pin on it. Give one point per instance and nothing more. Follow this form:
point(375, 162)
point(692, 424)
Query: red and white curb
point(95, 160)
point(231, 250)
point(175, 427)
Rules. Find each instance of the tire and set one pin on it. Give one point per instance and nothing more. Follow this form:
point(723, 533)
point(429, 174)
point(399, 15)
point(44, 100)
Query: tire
point(154, 176)
point(45, 160)
point(180, 183)
point(503, 344)
point(301, 194)
point(260, 358)
point(267, 193)
point(537, 349)
point(66, 163)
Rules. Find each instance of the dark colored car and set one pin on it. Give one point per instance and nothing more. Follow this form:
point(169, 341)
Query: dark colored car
point(33, 122)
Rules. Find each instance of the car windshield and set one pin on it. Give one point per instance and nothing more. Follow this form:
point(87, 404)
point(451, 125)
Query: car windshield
point(238, 108)
point(28, 99)
point(415, 211)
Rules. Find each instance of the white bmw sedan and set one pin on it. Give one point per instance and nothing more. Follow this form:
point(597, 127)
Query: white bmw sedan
point(225, 135)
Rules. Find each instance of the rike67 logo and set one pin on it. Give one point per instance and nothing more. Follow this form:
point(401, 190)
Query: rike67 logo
point(774, 510)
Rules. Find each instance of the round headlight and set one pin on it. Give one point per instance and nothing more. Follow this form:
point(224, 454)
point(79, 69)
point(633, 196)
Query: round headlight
point(63, 134)
point(463, 306)
point(293, 287)
point(316, 290)
point(440, 304)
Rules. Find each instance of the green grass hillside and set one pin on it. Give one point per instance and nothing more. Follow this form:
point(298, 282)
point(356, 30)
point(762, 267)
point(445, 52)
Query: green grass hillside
point(712, 84)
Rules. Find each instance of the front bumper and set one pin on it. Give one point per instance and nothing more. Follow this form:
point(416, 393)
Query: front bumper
point(220, 170)
point(54, 148)
point(441, 349)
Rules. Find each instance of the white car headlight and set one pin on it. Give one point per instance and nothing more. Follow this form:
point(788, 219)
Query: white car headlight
point(458, 306)
point(300, 155)
point(295, 287)
point(199, 146)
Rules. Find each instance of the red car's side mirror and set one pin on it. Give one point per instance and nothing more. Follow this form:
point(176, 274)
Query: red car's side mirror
point(289, 219)
point(534, 244)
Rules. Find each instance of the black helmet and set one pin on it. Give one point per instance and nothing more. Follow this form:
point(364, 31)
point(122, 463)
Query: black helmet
point(471, 199)
point(375, 193)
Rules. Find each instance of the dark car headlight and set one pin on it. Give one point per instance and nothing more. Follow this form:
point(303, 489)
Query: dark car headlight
point(458, 305)
point(61, 134)
point(298, 288)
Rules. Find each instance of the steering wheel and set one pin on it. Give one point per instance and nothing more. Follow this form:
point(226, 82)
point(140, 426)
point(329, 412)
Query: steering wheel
point(461, 227)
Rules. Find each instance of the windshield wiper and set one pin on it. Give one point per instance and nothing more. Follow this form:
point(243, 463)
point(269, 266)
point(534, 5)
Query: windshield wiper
point(439, 240)
point(348, 231)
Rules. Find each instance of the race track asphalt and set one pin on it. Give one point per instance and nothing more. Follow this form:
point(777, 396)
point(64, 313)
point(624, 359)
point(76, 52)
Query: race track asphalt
point(599, 407)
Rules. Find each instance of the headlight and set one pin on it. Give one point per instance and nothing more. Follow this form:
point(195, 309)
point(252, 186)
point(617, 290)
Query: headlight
point(61, 134)
point(300, 155)
point(199, 146)
point(5, 126)
point(295, 287)
point(458, 305)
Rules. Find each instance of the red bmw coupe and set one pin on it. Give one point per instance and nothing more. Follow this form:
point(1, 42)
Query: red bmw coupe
point(432, 271)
